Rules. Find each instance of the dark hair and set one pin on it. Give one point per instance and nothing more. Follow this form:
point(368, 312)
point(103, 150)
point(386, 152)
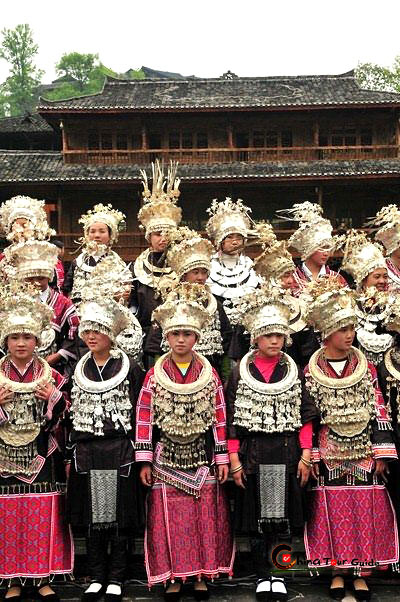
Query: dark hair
point(56, 242)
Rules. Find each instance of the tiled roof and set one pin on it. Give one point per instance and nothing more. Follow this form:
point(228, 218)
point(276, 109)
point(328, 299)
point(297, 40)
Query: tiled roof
point(32, 124)
point(251, 92)
point(48, 166)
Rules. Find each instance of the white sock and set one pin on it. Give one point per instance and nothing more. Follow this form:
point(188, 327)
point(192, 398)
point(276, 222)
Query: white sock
point(113, 588)
point(93, 588)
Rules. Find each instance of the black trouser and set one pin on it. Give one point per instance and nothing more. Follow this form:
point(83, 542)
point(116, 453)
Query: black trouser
point(261, 547)
point(105, 568)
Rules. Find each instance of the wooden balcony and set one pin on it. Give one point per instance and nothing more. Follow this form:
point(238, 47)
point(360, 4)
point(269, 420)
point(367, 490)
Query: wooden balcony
point(230, 155)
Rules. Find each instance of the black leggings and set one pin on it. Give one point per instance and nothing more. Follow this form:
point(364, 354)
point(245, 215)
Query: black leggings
point(104, 567)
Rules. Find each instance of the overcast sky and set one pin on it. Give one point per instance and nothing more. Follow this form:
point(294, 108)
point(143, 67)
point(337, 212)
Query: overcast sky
point(208, 37)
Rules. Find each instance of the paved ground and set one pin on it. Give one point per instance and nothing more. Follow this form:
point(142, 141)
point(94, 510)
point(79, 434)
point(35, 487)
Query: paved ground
point(385, 587)
point(309, 590)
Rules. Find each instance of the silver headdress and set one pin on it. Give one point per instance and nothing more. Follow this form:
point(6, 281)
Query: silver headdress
point(314, 231)
point(185, 308)
point(110, 280)
point(275, 259)
point(187, 251)
point(228, 217)
point(330, 305)
point(265, 311)
point(33, 258)
point(387, 223)
point(32, 210)
point(361, 256)
point(160, 212)
point(21, 311)
point(104, 214)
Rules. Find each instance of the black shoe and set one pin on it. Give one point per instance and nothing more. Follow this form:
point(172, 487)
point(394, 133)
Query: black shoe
point(16, 598)
point(201, 594)
point(92, 596)
point(49, 597)
point(337, 593)
point(361, 594)
point(113, 597)
point(172, 596)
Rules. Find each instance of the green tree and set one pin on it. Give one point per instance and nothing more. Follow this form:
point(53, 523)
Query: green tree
point(17, 93)
point(94, 82)
point(78, 67)
point(376, 77)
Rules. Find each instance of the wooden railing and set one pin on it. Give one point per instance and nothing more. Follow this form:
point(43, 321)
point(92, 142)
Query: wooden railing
point(225, 155)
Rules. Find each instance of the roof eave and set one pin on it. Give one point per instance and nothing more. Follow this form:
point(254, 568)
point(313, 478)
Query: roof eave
point(202, 109)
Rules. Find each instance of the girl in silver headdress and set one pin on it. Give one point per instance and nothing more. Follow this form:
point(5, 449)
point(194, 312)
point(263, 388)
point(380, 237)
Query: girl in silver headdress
point(352, 524)
point(103, 496)
point(181, 442)
point(35, 544)
point(266, 408)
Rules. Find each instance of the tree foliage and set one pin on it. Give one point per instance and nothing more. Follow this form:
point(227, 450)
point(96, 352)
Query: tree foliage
point(376, 77)
point(94, 78)
point(17, 93)
point(78, 67)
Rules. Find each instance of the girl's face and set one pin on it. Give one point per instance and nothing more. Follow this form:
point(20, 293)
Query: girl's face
point(22, 229)
point(377, 278)
point(181, 342)
point(197, 275)
point(158, 242)
point(287, 280)
point(99, 233)
point(341, 340)
point(270, 345)
point(96, 341)
point(320, 256)
point(21, 346)
point(232, 244)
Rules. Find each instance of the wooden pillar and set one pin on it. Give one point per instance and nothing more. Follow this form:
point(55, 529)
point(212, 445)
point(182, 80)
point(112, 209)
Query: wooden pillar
point(145, 143)
point(64, 137)
point(319, 193)
point(397, 134)
point(59, 213)
point(230, 135)
point(315, 133)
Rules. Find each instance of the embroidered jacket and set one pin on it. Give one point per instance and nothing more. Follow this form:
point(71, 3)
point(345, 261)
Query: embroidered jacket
point(53, 411)
point(302, 278)
point(383, 446)
point(144, 439)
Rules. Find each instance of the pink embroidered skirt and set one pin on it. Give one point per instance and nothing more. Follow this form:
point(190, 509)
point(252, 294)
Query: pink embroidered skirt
point(34, 539)
point(187, 536)
point(352, 525)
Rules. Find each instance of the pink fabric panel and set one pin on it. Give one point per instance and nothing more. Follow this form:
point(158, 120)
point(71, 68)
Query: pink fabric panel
point(350, 522)
point(187, 536)
point(35, 541)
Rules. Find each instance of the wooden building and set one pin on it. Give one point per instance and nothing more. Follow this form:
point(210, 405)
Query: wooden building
point(271, 141)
